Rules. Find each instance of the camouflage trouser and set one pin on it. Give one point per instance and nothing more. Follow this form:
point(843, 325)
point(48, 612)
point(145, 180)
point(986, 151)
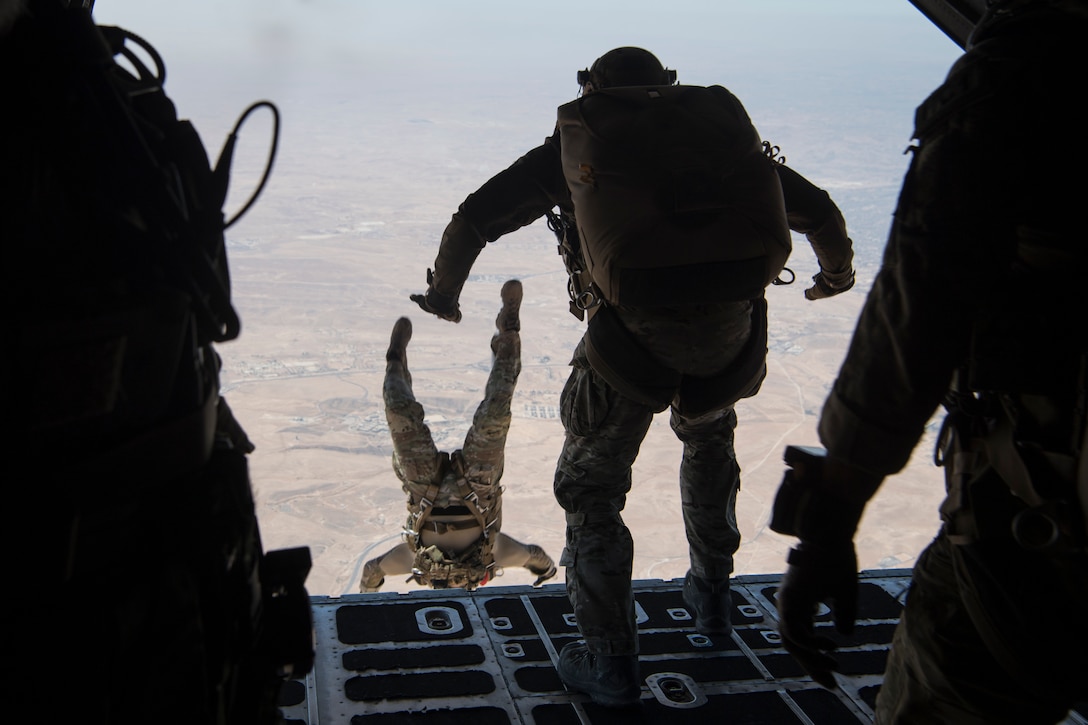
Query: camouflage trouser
point(415, 456)
point(941, 670)
point(604, 430)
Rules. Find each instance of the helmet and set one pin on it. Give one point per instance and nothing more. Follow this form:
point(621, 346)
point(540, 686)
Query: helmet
point(625, 67)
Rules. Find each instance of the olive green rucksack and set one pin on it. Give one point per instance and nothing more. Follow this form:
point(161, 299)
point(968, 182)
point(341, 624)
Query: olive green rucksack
point(676, 202)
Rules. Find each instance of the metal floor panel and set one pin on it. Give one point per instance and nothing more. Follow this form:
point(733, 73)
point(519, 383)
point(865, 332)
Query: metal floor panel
point(487, 658)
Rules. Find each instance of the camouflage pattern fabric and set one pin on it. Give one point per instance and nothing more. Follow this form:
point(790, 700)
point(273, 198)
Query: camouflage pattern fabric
point(416, 460)
point(604, 430)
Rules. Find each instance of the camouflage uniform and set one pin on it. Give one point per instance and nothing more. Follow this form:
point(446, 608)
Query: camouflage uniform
point(604, 431)
point(971, 299)
point(417, 461)
point(605, 427)
point(425, 472)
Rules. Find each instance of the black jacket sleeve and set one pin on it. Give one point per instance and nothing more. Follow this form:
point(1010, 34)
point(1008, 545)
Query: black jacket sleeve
point(510, 200)
point(810, 211)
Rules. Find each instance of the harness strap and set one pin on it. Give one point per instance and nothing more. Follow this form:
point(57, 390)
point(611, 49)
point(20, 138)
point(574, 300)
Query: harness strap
point(1003, 454)
point(974, 441)
point(419, 518)
point(584, 294)
point(426, 502)
point(962, 527)
point(472, 502)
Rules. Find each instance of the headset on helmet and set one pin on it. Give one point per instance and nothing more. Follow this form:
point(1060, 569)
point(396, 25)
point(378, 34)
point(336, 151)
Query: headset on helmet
point(625, 67)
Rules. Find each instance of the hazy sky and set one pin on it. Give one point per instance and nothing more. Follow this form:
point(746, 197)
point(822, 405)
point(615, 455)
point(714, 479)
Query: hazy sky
point(434, 86)
point(767, 51)
point(820, 78)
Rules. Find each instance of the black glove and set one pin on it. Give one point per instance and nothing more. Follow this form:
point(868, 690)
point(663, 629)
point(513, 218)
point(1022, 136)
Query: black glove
point(437, 304)
point(820, 501)
point(828, 284)
point(817, 574)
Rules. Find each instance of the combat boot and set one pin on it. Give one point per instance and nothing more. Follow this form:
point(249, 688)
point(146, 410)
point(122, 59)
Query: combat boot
point(508, 320)
point(710, 602)
point(610, 680)
point(398, 341)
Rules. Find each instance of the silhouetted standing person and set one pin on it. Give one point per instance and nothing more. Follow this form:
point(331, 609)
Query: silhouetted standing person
point(973, 309)
point(669, 252)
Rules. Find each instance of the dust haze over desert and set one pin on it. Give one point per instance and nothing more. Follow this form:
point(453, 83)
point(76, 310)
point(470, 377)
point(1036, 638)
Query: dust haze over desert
point(391, 114)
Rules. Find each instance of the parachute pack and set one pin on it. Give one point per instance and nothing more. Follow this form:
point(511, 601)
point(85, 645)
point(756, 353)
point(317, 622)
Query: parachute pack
point(432, 567)
point(675, 200)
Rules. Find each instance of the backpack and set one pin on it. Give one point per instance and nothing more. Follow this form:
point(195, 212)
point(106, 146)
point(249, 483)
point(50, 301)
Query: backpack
point(474, 566)
point(675, 201)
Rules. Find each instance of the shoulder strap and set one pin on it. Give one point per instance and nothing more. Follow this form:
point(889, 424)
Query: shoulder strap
point(421, 505)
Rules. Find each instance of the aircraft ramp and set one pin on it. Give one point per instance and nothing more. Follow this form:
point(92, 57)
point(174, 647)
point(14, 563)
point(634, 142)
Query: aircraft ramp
point(487, 658)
